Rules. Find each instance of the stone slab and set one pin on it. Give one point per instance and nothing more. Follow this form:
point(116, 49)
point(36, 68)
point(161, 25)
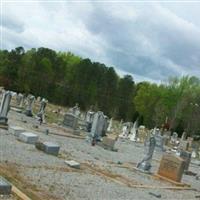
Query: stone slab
point(51, 148)
point(28, 137)
point(5, 186)
point(16, 130)
point(171, 167)
point(73, 164)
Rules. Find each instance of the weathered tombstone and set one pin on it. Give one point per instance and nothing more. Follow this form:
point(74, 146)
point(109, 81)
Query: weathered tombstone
point(195, 149)
point(171, 167)
point(41, 113)
point(145, 164)
point(159, 140)
point(4, 108)
point(89, 119)
point(73, 164)
point(48, 147)
point(134, 133)
point(75, 110)
point(184, 135)
point(20, 100)
point(108, 143)
point(186, 156)
point(28, 137)
point(16, 130)
point(183, 145)
point(29, 108)
point(98, 126)
point(70, 120)
point(5, 186)
point(109, 129)
point(126, 129)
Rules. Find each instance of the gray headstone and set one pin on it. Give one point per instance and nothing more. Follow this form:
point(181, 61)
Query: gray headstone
point(4, 107)
point(5, 186)
point(70, 120)
point(98, 126)
point(186, 156)
point(145, 164)
point(29, 109)
point(28, 137)
point(159, 142)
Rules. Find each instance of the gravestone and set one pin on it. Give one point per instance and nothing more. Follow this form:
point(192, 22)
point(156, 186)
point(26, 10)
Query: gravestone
point(75, 110)
point(159, 140)
point(98, 127)
point(5, 186)
point(171, 167)
point(195, 149)
point(109, 129)
point(16, 130)
point(108, 143)
point(89, 119)
point(134, 132)
point(20, 100)
point(70, 120)
point(41, 113)
point(4, 108)
point(28, 137)
point(145, 164)
point(186, 156)
point(29, 108)
point(184, 135)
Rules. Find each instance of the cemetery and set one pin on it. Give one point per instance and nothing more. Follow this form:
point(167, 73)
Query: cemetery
point(68, 154)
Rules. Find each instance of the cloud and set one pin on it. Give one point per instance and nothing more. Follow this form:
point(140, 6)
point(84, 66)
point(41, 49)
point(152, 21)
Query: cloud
point(150, 41)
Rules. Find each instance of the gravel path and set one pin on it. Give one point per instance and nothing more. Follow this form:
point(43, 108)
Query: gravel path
point(50, 174)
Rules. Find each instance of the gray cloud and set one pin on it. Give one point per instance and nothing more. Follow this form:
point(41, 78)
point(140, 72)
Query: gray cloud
point(150, 41)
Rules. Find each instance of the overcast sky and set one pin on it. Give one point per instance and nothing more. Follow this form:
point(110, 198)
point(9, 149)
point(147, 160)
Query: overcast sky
point(150, 40)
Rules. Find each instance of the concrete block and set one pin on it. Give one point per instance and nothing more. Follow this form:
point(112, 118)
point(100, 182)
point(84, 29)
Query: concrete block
point(28, 137)
point(5, 186)
point(16, 130)
point(73, 164)
point(51, 148)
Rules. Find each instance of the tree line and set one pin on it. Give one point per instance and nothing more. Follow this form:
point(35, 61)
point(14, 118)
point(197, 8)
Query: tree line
point(65, 79)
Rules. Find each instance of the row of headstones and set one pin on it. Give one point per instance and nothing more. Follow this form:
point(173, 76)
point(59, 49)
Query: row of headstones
point(171, 166)
point(5, 106)
point(91, 120)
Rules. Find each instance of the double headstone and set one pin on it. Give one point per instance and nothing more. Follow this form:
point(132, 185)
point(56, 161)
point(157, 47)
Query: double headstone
point(4, 107)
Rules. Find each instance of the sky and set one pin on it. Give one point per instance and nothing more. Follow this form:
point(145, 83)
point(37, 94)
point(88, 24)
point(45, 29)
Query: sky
point(150, 40)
